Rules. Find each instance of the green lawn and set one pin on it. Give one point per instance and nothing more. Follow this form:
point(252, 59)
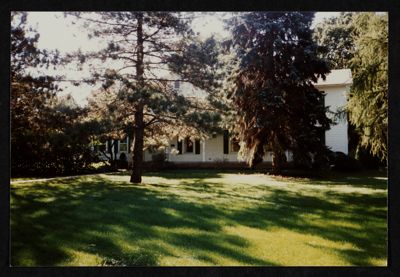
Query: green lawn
point(200, 218)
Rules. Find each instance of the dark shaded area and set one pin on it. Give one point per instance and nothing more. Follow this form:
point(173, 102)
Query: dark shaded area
point(80, 215)
point(80, 211)
point(52, 174)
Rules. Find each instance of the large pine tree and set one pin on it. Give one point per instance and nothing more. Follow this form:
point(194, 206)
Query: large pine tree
point(272, 87)
point(147, 53)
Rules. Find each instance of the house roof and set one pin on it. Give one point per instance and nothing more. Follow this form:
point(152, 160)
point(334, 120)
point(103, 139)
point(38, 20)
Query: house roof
point(336, 77)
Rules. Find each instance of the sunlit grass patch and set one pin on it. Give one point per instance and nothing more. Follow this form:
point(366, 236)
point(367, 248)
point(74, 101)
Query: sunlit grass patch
point(200, 218)
point(278, 244)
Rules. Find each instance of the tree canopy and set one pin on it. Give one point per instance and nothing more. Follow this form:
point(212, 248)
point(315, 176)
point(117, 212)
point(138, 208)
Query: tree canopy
point(146, 53)
point(360, 41)
point(48, 135)
point(272, 87)
point(29, 95)
point(336, 36)
point(368, 101)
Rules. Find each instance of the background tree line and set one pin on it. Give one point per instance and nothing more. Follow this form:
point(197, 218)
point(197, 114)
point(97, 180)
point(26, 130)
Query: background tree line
point(48, 133)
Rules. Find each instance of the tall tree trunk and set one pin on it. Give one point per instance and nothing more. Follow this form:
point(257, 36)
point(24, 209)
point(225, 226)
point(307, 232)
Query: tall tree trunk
point(137, 165)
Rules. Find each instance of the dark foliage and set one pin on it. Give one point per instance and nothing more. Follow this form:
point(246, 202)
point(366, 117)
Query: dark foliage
point(123, 161)
point(47, 137)
point(272, 87)
point(344, 163)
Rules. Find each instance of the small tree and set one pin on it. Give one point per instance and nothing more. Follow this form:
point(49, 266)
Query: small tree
point(272, 87)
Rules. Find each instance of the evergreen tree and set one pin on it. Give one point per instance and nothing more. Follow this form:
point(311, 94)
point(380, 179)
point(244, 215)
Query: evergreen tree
point(359, 41)
point(30, 96)
point(48, 133)
point(336, 35)
point(147, 53)
point(272, 87)
point(368, 102)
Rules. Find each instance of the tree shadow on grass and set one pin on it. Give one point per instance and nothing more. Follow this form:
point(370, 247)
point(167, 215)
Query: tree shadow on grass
point(177, 173)
point(117, 222)
point(359, 219)
point(123, 224)
point(363, 179)
point(199, 174)
point(354, 217)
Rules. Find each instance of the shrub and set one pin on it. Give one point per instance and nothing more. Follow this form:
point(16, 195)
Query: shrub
point(122, 161)
point(339, 161)
point(159, 157)
point(367, 160)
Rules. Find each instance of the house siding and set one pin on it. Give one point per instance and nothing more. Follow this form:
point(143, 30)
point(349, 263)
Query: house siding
point(213, 153)
point(336, 138)
point(336, 87)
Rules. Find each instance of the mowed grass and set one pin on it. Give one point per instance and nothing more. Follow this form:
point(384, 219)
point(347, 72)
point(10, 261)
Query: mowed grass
point(200, 218)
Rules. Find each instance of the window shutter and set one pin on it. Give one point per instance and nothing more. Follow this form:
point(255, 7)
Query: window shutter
point(115, 146)
point(226, 142)
point(129, 145)
point(179, 146)
point(109, 146)
point(176, 85)
point(197, 146)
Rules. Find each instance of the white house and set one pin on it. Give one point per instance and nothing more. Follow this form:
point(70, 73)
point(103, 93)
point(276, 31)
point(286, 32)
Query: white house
point(220, 148)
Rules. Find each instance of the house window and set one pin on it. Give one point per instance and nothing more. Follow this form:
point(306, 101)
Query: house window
point(116, 146)
point(176, 85)
point(226, 142)
point(123, 145)
point(109, 146)
point(235, 147)
point(197, 146)
point(179, 146)
point(189, 145)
